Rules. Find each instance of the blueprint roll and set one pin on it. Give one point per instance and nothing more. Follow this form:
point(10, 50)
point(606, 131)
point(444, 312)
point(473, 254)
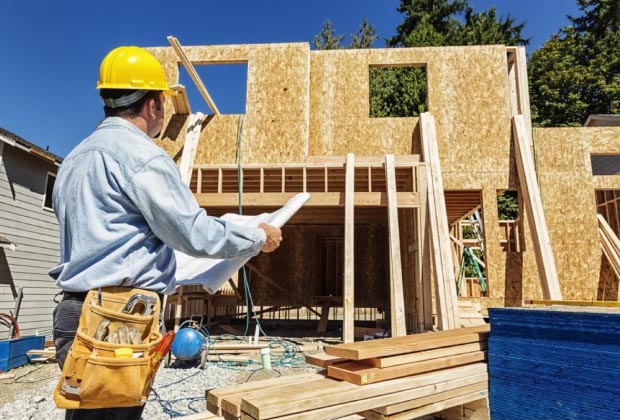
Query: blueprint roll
point(214, 273)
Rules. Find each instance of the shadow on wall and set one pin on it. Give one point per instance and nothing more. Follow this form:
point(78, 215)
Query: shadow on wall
point(6, 279)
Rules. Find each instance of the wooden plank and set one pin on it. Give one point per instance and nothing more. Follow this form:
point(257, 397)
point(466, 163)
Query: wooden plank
point(483, 385)
point(610, 253)
point(361, 374)
point(533, 205)
point(231, 406)
point(598, 303)
point(215, 397)
point(205, 415)
point(448, 316)
point(349, 252)
point(400, 345)
point(424, 299)
point(384, 362)
point(323, 360)
point(324, 316)
point(193, 74)
point(435, 407)
point(343, 397)
point(317, 199)
point(397, 301)
point(190, 147)
point(180, 101)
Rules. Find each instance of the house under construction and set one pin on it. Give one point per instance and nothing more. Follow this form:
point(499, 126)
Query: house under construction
point(383, 233)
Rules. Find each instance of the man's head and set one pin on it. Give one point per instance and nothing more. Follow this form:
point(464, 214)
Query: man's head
point(132, 84)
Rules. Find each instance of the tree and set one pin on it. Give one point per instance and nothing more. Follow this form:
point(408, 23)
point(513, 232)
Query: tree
point(327, 39)
point(577, 72)
point(365, 36)
point(444, 22)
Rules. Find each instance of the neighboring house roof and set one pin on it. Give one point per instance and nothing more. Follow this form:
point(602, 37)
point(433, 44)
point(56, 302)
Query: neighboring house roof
point(16, 141)
point(603, 120)
point(604, 164)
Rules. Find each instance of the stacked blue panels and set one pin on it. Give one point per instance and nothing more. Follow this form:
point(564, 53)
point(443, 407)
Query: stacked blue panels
point(554, 363)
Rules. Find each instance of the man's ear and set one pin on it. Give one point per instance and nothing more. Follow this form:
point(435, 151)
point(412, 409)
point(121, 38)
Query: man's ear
point(151, 106)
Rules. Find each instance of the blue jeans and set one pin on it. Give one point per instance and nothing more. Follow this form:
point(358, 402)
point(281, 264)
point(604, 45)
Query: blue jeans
point(66, 320)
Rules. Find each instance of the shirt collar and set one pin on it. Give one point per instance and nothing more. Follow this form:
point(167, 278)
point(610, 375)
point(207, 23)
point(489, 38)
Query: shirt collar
point(110, 122)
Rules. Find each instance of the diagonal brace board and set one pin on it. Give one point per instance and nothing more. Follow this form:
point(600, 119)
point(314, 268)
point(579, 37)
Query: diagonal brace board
point(448, 311)
point(533, 205)
point(193, 74)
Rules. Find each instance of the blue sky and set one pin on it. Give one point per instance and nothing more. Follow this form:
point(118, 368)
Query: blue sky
point(51, 50)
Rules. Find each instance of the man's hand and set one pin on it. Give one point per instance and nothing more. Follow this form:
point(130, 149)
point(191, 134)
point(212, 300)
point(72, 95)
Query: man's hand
point(274, 237)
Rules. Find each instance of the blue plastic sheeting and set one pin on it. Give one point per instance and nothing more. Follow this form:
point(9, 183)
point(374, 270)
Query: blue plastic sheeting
point(554, 363)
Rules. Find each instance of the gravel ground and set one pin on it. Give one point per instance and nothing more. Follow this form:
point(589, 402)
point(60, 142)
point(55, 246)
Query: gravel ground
point(179, 389)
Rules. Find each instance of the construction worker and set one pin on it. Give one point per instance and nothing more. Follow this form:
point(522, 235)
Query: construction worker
point(122, 206)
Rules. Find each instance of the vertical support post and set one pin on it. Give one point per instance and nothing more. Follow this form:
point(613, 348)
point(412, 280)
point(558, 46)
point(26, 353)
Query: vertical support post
point(190, 147)
point(448, 310)
point(397, 302)
point(425, 296)
point(349, 239)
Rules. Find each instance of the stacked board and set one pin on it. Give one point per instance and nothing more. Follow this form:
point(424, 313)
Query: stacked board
point(404, 379)
point(554, 362)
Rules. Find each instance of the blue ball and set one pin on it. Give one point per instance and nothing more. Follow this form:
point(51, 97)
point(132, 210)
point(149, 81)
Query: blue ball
point(187, 344)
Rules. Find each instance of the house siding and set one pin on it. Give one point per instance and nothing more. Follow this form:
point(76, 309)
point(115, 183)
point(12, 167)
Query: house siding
point(34, 231)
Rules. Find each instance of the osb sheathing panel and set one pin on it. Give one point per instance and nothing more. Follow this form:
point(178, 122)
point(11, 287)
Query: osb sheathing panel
point(565, 178)
point(275, 126)
point(471, 118)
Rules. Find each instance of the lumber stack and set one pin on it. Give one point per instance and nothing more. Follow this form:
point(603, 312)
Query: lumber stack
point(392, 378)
point(562, 360)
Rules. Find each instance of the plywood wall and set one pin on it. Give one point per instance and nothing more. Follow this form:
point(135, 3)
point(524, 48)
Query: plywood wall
point(304, 104)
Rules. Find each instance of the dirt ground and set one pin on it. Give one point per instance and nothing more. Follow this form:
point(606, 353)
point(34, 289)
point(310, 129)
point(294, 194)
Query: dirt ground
point(28, 378)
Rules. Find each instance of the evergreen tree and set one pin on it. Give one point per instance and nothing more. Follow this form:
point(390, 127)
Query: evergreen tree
point(577, 72)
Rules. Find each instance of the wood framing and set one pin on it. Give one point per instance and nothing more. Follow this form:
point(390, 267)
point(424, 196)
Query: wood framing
point(349, 256)
point(192, 73)
point(534, 208)
point(447, 307)
point(306, 110)
point(397, 304)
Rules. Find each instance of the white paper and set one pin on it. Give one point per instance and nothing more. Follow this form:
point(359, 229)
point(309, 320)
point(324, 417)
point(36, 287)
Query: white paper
point(214, 273)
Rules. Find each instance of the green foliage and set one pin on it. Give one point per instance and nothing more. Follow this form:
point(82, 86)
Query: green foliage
point(327, 39)
point(365, 36)
point(402, 91)
point(577, 72)
point(508, 205)
point(397, 91)
point(444, 22)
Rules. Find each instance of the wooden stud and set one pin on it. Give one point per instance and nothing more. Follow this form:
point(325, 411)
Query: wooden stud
point(397, 302)
point(349, 252)
point(190, 147)
point(448, 316)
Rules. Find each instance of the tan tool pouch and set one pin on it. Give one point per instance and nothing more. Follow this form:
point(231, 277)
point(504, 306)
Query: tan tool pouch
point(92, 376)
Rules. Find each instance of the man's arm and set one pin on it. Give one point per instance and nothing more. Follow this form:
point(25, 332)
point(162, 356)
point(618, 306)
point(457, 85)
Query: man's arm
point(172, 213)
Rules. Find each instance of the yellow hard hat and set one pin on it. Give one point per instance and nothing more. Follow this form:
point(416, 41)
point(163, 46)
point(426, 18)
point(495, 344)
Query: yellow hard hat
point(132, 68)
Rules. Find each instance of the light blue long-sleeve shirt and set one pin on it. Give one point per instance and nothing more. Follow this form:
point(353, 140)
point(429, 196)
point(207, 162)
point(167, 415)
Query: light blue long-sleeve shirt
point(122, 208)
